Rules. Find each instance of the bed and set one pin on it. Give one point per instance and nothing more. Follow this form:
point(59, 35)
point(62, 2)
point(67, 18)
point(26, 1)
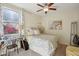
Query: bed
point(43, 44)
point(40, 42)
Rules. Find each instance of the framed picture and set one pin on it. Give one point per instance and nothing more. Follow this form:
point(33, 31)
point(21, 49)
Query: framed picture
point(10, 28)
point(56, 25)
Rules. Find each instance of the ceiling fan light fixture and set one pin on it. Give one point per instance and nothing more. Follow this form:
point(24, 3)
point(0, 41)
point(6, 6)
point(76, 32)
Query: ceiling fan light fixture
point(45, 9)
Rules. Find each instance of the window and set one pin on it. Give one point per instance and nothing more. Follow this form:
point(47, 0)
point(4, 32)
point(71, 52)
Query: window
point(10, 21)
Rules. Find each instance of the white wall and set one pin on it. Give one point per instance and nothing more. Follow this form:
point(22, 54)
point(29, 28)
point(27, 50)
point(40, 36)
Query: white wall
point(67, 14)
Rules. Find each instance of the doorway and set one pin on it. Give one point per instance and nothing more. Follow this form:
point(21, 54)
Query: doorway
point(73, 31)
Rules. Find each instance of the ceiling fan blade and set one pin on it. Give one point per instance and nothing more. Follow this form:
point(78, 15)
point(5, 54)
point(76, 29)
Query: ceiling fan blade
point(39, 10)
point(40, 5)
point(50, 4)
point(45, 12)
point(45, 4)
point(52, 8)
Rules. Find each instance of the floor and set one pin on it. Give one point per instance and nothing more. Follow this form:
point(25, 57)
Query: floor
point(23, 52)
point(60, 51)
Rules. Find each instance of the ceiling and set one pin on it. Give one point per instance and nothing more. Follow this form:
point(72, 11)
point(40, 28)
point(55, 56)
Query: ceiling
point(32, 7)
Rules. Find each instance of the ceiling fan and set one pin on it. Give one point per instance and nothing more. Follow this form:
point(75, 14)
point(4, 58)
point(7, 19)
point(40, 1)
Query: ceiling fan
point(46, 7)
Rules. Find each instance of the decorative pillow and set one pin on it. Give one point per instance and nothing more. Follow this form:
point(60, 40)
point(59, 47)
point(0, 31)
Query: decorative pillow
point(36, 32)
point(32, 31)
point(29, 32)
point(41, 29)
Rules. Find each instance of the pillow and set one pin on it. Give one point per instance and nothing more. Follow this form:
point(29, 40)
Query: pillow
point(41, 29)
point(33, 31)
point(29, 32)
point(36, 32)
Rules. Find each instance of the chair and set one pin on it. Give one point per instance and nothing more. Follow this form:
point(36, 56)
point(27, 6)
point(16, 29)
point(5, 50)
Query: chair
point(13, 45)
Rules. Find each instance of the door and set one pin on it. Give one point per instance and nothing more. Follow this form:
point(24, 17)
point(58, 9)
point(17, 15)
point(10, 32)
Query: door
point(73, 31)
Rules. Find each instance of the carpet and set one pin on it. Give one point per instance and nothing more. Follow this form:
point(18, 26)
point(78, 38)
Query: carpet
point(23, 52)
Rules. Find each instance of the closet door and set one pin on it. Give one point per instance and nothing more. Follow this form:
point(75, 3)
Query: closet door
point(73, 31)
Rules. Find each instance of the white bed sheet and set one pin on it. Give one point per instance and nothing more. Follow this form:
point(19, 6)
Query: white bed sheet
point(43, 44)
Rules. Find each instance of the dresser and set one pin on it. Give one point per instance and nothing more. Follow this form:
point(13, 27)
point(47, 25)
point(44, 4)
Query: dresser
point(72, 51)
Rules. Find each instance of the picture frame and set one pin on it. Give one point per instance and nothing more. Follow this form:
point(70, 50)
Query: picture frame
point(56, 25)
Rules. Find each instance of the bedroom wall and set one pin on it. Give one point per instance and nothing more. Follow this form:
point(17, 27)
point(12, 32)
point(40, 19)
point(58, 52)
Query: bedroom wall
point(67, 14)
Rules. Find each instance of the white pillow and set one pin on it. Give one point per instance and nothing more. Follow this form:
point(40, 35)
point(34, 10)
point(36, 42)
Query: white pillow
point(29, 32)
point(36, 32)
point(33, 31)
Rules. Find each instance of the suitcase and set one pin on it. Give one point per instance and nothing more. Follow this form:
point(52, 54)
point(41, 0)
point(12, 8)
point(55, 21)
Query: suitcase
point(24, 44)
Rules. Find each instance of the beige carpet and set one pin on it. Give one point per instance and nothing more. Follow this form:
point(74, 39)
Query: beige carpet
point(23, 52)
